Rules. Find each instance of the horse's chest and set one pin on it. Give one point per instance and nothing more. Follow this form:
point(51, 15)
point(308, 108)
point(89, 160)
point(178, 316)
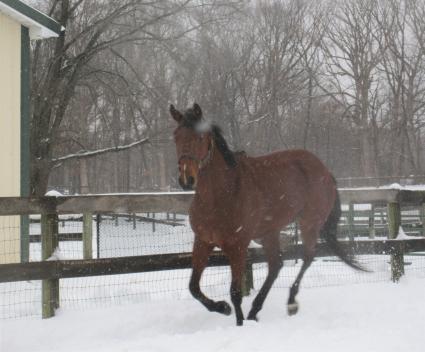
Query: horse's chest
point(214, 227)
point(212, 237)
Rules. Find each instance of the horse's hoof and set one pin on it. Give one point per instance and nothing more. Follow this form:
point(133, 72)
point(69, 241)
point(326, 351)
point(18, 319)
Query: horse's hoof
point(239, 322)
point(252, 317)
point(223, 308)
point(292, 308)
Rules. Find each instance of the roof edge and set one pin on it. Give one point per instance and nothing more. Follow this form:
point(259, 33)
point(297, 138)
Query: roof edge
point(39, 24)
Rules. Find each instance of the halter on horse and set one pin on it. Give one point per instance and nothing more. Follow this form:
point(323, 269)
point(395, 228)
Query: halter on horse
point(240, 198)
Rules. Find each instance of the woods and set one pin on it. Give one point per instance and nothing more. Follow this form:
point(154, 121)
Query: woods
point(342, 79)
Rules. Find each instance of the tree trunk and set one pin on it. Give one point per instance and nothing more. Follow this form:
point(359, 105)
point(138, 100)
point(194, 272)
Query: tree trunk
point(308, 112)
point(367, 154)
point(39, 177)
point(84, 179)
point(162, 172)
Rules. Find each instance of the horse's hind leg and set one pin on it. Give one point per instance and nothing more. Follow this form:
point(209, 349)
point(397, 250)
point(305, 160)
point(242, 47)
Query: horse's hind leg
point(200, 254)
point(309, 236)
point(292, 303)
point(274, 260)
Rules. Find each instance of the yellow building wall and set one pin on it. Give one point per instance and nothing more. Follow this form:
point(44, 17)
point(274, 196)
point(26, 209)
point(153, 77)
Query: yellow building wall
point(10, 135)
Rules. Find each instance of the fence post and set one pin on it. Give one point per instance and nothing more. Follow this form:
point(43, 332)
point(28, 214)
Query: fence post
point(247, 280)
point(372, 222)
point(397, 257)
point(350, 219)
point(88, 236)
point(134, 221)
point(49, 242)
point(296, 237)
point(25, 239)
point(98, 220)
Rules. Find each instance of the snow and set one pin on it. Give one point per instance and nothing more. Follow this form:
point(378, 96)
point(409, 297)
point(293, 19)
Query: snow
point(170, 193)
point(203, 126)
point(395, 186)
point(56, 255)
point(364, 317)
point(403, 236)
point(360, 206)
point(53, 193)
point(407, 187)
point(340, 309)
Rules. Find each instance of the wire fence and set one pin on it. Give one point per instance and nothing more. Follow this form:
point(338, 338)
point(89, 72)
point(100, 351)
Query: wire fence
point(10, 240)
point(372, 221)
point(145, 234)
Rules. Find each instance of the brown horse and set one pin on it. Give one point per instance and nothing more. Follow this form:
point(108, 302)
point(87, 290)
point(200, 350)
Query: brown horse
point(239, 198)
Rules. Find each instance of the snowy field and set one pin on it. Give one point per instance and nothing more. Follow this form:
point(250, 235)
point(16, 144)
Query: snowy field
point(340, 309)
point(119, 238)
point(362, 317)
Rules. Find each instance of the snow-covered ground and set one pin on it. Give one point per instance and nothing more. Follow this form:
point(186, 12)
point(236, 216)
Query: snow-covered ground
point(340, 309)
point(22, 299)
point(363, 317)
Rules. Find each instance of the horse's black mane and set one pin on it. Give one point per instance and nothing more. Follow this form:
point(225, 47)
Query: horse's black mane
point(221, 144)
point(190, 120)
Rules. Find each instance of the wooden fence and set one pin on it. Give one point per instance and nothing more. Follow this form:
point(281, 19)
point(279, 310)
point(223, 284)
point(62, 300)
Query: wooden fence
point(51, 271)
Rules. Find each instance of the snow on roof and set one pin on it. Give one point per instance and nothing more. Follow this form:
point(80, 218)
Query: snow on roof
point(40, 26)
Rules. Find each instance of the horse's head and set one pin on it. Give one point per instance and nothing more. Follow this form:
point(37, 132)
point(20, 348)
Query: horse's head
point(194, 144)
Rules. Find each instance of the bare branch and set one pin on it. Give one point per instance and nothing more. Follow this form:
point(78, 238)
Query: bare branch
point(90, 154)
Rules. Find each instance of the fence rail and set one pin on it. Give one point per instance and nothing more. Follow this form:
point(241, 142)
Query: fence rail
point(65, 269)
point(380, 181)
point(99, 204)
point(177, 202)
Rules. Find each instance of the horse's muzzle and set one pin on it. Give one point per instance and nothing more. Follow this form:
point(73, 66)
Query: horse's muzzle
point(189, 185)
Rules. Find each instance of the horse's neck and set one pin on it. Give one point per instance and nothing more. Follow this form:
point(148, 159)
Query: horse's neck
point(217, 180)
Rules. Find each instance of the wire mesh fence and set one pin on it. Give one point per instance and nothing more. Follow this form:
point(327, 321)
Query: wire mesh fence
point(144, 234)
point(10, 239)
point(369, 221)
point(70, 237)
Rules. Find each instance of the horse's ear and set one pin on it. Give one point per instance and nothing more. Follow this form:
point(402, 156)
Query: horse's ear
point(197, 111)
point(175, 113)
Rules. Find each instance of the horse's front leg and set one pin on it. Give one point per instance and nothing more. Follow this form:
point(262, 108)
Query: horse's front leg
point(237, 259)
point(200, 254)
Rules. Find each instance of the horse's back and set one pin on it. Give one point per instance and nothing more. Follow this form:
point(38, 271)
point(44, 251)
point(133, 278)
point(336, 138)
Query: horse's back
point(305, 171)
point(318, 184)
point(290, 182)
point(297, 165)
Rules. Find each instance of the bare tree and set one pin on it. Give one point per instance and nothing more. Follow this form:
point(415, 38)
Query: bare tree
point(61, 64)
point(345, 80)
point(352, 55)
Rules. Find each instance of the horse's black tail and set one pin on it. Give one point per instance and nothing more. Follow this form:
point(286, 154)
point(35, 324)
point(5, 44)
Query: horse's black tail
point(329, 233)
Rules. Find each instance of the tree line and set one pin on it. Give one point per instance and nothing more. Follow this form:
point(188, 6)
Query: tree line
point(344, 79)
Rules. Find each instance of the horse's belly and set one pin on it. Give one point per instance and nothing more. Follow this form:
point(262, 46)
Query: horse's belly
point(275, 219)
point(219, 231)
